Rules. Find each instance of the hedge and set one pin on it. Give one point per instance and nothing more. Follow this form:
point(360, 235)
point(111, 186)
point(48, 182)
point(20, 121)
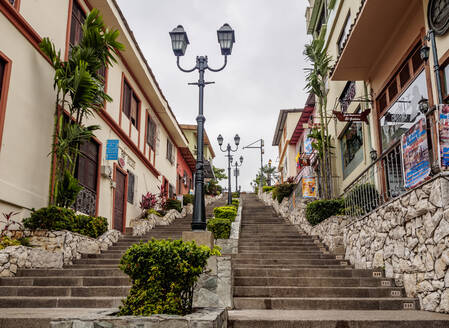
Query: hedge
point(282, 190)
point(268, 188)
point(235, 202)
point(163, 273)
point(60, 218)
point(225, 212)
point(319, 210)
point(173, 204)
point(187, 199)
point(221, 228)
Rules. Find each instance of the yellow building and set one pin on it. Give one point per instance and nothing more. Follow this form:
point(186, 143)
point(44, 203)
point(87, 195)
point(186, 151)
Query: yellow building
point(145, 127)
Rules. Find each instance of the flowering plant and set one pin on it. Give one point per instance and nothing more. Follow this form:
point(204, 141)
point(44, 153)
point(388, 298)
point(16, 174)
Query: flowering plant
point(149, 201)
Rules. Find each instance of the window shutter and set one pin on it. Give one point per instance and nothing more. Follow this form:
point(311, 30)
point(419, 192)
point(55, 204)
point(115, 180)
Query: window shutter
point(133, 111)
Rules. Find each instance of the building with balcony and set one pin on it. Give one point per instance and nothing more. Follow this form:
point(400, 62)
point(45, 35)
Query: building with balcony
point(139, 117)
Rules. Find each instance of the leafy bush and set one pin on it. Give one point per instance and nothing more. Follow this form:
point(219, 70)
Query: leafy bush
point(268, 188)
point(235, 194)
point(225, 212)
point(59, 218)
point(319, 210)
point(282, 190)
point(163, 273)
point(148, 201)
point(363, 199)
point(5, 241)
point(187, 199)
point(51, 218)
point(173, 204)
point(235, 202)
point(221, 228)
point(92, 226)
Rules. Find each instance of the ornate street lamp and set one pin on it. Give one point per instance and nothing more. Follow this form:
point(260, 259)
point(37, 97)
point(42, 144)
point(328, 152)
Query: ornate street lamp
point(226, 39)
point(229, 149)
point(236, 170)
point(269, 173)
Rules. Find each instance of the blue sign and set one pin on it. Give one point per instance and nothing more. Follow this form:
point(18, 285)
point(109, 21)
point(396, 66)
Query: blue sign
point(112, 149)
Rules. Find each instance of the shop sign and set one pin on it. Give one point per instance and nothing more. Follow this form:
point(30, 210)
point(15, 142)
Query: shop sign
point(443, 135)
point(353, 117)
point(415, 154)
point(309, 188)
point(112, 149)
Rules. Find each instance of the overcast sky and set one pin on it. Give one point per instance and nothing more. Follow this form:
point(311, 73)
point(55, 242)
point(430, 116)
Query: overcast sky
point(264, 73)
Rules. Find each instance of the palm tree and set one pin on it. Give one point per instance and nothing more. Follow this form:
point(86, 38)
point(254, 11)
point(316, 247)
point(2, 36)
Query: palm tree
point(316, 78)
point(79, 90)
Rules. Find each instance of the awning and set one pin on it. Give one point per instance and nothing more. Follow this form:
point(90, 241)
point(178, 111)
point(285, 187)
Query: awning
point(299, 130)
point(188, 157)
point(375, 24)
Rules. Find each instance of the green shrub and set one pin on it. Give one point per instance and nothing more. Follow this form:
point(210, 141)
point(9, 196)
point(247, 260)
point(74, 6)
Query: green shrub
point(225, 212)
point(221, 228)
point(362, 199)
point(59, 218)
point(51, 218)
point(163, 273)
point(173, 204)
point(319, 210)
point(68, 190)
point(92, 226)
point(187, 199)
point(152, 211)
point(5, 241)
point(235, 194)
point(267, 188)
point(235, 202)
point(282, 190)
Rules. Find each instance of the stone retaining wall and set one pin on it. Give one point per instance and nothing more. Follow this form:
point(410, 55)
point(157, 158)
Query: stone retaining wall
point(409, 237)
point(200, 318)
point(51, 249)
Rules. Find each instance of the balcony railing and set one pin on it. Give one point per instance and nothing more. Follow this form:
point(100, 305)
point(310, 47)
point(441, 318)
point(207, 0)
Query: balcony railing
point(378, 183)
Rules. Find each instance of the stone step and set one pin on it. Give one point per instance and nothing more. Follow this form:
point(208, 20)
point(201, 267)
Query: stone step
point(286, 266)
point(304, 272)
point(66, 281)
point(71, 272)
point(335, 319)
point(62, 302)
point(101, 261)
point(313, 292)
point(277, 248)
point(311, 281)
point(317, 303)
point(274, 256)
point(271, 261)
point(65, 291)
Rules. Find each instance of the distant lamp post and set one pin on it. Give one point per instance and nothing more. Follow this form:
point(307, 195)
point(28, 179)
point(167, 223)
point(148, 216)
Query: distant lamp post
point(179, 39)
point(262, 151)
point(236, 171)
point(229, 149)
point(373, 154)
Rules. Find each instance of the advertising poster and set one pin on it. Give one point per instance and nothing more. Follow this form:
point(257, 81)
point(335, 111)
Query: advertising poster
point(308, 150)
point(309, 189)
point(415, 154)
point(443, 131)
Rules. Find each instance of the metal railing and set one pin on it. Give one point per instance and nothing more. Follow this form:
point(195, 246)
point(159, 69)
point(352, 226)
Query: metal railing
point(378, 183)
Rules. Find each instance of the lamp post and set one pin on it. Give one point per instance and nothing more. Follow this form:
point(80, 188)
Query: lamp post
point(236, 170)
point(226, 39)
point(261, 159)
point(229, 149)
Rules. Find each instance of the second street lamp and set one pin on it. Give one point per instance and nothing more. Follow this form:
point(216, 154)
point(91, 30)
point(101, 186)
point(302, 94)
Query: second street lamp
point(261, 160)
point(226, 39)
point(236, 170)
point(229, 149)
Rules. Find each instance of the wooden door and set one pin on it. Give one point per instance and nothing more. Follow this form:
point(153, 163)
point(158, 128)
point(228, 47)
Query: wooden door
point(120, 201)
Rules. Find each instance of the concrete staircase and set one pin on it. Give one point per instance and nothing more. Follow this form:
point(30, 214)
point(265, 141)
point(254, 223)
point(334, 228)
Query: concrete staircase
point(284, 278)
point(94, 281)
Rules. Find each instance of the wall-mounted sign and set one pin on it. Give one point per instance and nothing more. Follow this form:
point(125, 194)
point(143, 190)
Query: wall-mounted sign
point(121, 162)
point(415, 154)
point(309, 189)
point(112, 149)
point(443, 135)
point(353, 117)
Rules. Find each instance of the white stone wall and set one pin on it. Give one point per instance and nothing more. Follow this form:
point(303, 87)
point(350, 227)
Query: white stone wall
point(409, 238)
